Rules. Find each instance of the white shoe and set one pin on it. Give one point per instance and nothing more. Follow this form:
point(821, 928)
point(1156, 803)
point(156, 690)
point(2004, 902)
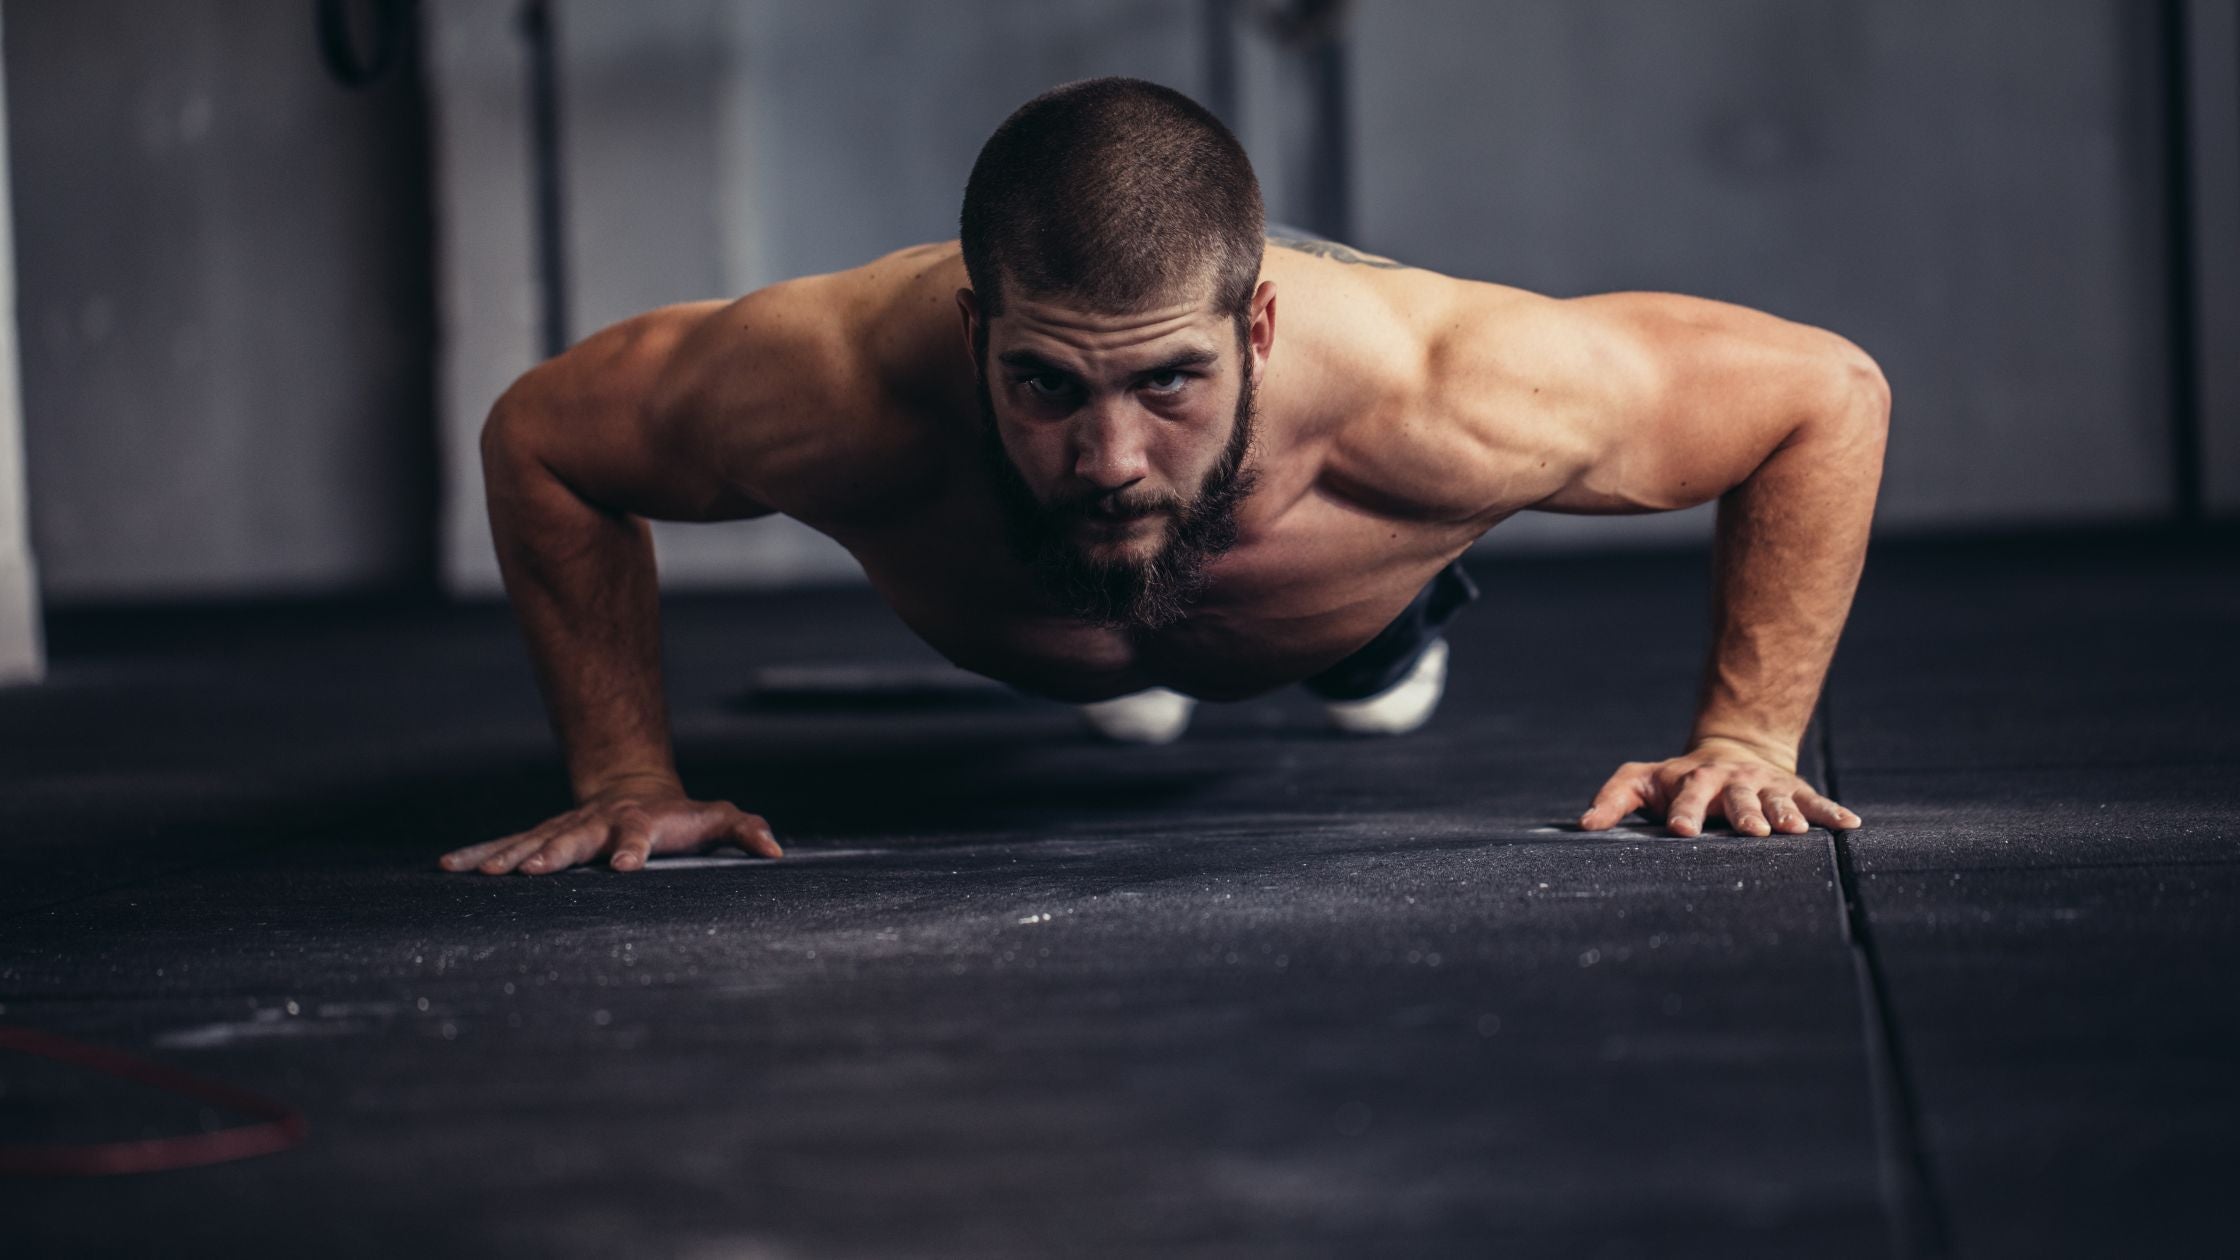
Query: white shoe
point(1400, 708)
point(1157, 716)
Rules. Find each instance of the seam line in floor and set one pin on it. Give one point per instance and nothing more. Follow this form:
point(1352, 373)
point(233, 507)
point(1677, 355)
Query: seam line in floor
point(1917, 1219)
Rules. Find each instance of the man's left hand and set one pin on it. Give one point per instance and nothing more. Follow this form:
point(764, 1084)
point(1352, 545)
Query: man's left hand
point(1755, 795)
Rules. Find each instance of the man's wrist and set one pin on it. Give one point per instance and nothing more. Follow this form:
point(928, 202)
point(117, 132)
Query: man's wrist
point(1773, 750)
point(629, 780)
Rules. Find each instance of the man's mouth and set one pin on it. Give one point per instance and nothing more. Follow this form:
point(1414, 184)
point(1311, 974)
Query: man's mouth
point(1097, 512)
point(1116, 522)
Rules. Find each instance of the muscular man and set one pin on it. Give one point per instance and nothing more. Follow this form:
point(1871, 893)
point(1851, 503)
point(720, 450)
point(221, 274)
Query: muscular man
point(1116, 442)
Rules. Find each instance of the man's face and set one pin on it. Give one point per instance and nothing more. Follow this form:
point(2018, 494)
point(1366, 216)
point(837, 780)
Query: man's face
point(1118, 446)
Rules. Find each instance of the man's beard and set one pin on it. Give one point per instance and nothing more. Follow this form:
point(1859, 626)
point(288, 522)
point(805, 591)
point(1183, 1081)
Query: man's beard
point(1118, 592)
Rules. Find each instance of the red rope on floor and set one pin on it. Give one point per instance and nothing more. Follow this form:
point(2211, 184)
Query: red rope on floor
point(279, 1126)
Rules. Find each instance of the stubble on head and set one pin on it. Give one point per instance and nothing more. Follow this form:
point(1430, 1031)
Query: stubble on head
point(1115, 591)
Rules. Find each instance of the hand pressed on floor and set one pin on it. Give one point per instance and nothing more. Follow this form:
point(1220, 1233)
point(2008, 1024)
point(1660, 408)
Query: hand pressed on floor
point(626, 824)
point(1756, 796)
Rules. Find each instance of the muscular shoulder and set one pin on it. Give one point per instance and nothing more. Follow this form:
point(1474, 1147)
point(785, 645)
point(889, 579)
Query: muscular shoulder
point(1455, 384)
point(813, 396)
point(1690, 395)
point(1610, 403)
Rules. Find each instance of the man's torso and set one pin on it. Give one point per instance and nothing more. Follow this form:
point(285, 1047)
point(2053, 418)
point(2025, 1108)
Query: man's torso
point(1362, 494)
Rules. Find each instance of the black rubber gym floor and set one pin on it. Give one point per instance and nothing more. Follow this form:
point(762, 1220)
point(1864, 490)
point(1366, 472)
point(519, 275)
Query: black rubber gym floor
point(1266, 991)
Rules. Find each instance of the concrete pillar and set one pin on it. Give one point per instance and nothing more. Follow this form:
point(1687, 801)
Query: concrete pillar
point(22, 657)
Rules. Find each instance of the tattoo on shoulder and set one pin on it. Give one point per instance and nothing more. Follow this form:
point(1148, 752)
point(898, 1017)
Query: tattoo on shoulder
point(1336, 252)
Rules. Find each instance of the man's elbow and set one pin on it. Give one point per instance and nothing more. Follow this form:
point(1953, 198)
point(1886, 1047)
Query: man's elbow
point(1860, 390)
point(1849, 429)
point(516, 444)
point(509, 432)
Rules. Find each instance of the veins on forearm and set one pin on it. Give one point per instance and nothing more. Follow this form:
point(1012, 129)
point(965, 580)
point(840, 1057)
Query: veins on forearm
point(1336, 252)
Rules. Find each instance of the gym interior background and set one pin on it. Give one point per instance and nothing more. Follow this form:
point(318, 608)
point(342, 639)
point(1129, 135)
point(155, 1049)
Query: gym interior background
point(250, 612)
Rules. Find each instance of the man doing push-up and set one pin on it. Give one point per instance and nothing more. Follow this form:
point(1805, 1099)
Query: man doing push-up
point(1118, 447)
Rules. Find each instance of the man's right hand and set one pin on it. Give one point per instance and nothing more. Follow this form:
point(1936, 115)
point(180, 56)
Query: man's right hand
point(626, 823)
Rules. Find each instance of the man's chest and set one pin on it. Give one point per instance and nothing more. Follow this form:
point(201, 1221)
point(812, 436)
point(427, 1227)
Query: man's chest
point(1292, 599)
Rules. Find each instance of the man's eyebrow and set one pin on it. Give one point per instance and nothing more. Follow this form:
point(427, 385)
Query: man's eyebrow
point(1029, 361)
point(1198, 358)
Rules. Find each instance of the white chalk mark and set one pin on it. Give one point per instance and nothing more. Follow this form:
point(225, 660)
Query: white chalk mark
point(263, 1023)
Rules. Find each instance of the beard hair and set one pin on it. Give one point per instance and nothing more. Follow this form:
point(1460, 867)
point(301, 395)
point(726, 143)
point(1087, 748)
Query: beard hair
point(1118, 593)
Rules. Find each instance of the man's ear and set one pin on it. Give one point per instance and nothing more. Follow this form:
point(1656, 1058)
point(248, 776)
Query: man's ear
point(1263, 331)
point(968, 306)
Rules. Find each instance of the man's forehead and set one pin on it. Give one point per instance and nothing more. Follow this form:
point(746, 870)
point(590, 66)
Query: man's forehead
point(1027, 320)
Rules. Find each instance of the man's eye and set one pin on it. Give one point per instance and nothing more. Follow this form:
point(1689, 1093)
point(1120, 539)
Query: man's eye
point(1166, 382)
point(1048, 385)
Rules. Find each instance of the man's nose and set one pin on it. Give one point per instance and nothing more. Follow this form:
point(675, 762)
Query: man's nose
point(1110, 449)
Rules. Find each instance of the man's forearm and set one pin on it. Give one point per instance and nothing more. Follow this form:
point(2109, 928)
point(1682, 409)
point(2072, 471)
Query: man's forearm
point(583, 585)
point(1790, 543)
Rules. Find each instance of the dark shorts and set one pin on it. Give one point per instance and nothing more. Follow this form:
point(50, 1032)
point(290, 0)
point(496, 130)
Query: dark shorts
point(1386, 659)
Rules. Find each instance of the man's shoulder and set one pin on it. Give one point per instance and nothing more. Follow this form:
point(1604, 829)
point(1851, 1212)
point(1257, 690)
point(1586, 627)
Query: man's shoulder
point(1456, 390)
point(835, 335)
point(1546, 403)
point(825, 393)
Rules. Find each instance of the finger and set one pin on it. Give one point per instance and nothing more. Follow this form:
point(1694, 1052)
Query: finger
point(1684, 817)
point(1783, 813)
point(565, 849)
point(506, 859)
point(1825, 812)
point(1743, 811)
point(696, 830)
point(633, 841)
point(461, 859)
point(752, 833)
point(538, 834)
point(1626, 792)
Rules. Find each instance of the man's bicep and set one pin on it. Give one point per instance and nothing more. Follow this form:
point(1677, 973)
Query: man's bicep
point(1690, 397)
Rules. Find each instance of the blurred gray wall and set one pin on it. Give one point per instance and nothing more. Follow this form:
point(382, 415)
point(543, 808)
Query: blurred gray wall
point(2212, 126)
point(222, 270)
point(21, 656)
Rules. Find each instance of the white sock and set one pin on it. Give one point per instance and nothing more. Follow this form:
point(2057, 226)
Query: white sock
point(1400, 708)
point(1157, 716)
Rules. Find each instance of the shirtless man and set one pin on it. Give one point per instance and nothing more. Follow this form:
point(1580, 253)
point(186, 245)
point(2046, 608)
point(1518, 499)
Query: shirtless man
point(1075, 455)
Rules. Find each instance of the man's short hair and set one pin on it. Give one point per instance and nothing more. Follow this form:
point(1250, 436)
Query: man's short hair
point(1117, 194)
